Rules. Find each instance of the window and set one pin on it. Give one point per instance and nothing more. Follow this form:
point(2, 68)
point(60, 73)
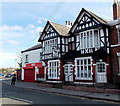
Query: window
point(71, 45)
point(84, 68)
point(118, 35)
point(96, 38)
point(26, 58)
point(53, 69)
point(49, 45)
point(101, 67)
point(88, 39)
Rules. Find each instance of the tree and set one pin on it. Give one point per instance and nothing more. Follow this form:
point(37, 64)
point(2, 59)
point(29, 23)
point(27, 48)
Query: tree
point(20, 61)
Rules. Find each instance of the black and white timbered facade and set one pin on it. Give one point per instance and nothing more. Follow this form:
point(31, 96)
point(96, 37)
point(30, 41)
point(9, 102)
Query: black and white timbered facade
point(87, 60)
point(79, 54)
point(52, 38)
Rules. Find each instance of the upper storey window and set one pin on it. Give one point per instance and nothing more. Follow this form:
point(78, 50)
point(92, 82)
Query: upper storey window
point(26, 58)
point(88, 39)
point(50, 45)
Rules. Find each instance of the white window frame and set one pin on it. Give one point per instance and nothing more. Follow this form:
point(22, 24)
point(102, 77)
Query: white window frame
point(49, 44)
point(98, 68)
point(53, 74)
point(83, 65)
point(87, 40)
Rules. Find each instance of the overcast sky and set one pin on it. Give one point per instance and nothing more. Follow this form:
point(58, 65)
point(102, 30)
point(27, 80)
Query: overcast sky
point(22, 21)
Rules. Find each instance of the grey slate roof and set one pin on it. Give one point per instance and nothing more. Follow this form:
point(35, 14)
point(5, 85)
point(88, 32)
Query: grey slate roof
point(38, 46)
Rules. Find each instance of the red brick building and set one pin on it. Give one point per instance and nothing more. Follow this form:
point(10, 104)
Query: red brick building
point(115, 42)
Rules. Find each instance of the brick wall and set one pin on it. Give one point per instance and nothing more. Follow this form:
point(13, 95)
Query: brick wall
point(113, 36)
point(114, 58)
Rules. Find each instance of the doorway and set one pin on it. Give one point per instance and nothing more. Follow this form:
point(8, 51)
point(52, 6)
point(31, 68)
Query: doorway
point(101, 76)
point(68, 71)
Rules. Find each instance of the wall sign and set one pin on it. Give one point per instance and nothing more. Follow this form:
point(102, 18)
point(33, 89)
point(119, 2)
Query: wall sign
point(85, 51)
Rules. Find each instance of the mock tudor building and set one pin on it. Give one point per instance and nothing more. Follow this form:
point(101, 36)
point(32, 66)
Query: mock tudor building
point(87, 60)
point(32, 67)
point(51, 39)
point(87, 52)
point(79, 54)
point(115, 42)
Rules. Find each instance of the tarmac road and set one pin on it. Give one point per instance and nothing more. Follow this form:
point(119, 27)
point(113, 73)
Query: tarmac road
point(39, 97)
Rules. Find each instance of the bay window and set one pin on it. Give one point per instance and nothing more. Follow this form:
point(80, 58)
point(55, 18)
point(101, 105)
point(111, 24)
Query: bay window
point(83, 68)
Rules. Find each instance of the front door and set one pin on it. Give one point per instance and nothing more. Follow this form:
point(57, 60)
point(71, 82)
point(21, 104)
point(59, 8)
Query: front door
point(101, 76)
point(68, 71)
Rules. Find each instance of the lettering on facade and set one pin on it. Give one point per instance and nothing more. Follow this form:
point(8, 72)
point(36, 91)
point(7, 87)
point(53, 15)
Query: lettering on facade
point(85, 51)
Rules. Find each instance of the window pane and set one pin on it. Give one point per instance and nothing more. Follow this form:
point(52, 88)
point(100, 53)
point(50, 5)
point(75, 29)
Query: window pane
point(77, 62)
point(85, 61)
point(81, 62)
point(78, 70)
point(89, 61)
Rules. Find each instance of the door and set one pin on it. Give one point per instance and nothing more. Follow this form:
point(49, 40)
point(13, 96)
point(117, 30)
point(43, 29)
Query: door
point(29, 75)
point(68, 71)
point(101, 76)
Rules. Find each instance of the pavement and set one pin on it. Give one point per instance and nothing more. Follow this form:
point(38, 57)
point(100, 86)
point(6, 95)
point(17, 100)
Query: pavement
point(89, 95)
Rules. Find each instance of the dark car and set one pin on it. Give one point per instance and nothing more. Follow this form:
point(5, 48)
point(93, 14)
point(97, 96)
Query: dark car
point(8, 75)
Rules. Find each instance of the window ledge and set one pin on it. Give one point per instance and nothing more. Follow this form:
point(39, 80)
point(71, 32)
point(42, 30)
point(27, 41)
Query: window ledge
point(83, 78)
point(118, 74)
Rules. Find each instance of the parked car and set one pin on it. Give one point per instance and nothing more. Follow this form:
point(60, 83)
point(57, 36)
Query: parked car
point(8, 75)
point(1, 74)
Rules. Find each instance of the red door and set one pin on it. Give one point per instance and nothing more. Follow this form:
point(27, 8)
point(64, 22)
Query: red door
point(29, 75)
point(41, 72)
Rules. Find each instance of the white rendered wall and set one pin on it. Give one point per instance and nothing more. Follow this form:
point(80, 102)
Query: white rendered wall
point(33, 57)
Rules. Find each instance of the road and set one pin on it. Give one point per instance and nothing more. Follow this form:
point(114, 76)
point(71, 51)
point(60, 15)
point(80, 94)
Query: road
point(24, 96)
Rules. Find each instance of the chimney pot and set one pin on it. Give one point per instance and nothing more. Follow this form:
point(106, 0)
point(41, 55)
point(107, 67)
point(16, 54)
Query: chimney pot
point(68, 23)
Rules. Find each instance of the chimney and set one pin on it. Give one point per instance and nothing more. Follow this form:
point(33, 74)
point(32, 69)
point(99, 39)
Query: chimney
point(116, 9)
point(68, 23)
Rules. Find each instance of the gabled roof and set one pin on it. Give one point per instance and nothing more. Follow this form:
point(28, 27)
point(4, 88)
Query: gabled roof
point(99, 19)
point(38, 46)
point(60, 29)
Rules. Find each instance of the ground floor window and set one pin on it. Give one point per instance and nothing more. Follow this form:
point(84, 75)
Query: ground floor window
point(53, 69)
point(83, 68)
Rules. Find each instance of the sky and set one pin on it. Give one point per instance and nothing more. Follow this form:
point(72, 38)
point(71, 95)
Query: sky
point(21, 22)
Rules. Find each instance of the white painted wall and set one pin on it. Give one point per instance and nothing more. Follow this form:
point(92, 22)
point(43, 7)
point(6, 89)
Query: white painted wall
point(33, 57)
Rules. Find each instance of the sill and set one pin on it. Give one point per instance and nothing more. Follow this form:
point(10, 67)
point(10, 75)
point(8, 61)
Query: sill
point(53, 78)
point(83, 78)
point(118, 74)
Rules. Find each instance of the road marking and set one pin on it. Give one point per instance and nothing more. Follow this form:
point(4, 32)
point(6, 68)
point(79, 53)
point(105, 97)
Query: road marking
point(12, 97)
